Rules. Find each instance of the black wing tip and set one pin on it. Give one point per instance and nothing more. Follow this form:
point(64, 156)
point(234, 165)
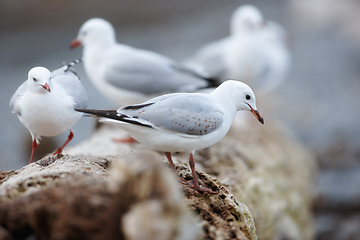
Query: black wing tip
point(72, 63)
point(137, 106)
point(98, 113)
point(112, 114)
point(69, 65)
point(212, 81)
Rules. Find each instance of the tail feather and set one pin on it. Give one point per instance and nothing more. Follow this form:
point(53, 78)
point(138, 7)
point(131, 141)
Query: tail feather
point(67, 67)
point(72, 63)
point(113, 114)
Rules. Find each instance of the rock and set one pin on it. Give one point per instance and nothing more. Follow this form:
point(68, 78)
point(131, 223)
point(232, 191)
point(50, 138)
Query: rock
point(74, 198)
point(5, 175)
point(64, 199)
point(270, 172)
point(105, 190)
point(152, 200)
point(266, 169)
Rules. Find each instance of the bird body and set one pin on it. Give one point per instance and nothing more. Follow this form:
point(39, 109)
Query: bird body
point(128, 75)
point(255, 52)
point(210, 58)
point(42, 120)
point(183, 122)
point(243, 58)
point(276, 57)
point(45, 102)
point(185, 128)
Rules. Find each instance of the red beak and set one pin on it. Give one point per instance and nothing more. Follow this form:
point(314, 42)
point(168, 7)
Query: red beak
point(75, 43)
point(46, 86)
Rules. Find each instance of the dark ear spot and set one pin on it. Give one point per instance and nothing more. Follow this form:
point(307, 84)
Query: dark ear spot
point(84, 33)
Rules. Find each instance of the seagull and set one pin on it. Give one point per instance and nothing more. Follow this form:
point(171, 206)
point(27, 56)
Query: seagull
point(275, 57)
point(45, 103)
point(183, 122)
point(127, 75)
point(255, 52)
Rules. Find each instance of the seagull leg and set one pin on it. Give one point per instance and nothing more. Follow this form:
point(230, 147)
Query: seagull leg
point(71, 135)
point(124, 140)
point(196, 185)
point(34, 145)
point(168, 155)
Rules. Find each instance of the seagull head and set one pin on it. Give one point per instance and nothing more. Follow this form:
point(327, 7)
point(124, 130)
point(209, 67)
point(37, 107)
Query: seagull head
point(241, 95)
point(248, 102)
point(39, 79)
point(94, 31)
point(246, 18)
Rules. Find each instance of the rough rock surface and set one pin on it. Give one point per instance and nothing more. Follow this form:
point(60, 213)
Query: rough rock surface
point(105, 190)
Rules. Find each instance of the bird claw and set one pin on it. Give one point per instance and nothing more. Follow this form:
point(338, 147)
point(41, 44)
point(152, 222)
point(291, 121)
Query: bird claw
point(198, 188)
point(183, 181)
point(58, 154)
point(46, 161)
point(204, 189)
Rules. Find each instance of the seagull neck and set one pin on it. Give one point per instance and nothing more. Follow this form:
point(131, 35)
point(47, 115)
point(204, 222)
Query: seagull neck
point(96, 51)
point(226, 99)
point(100, 44)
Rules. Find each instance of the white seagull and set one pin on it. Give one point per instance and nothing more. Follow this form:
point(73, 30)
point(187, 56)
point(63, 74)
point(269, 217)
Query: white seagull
point(45, 103)
point(127, 75)
point(275, 57)
point(255, 52)
point(183, 122)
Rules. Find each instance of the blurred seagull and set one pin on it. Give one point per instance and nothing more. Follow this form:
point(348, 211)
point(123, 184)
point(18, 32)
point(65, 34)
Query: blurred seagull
point(275, 57)
point(45, 103)
point(127, 75)
point(183, 122)
point(256, 51)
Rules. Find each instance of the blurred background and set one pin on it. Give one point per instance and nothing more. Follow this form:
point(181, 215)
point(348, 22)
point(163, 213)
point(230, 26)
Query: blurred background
point(319, 102)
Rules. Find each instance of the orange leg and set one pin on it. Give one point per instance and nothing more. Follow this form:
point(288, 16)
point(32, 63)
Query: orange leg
point(195, 185)
point(71, 135)
point(34, 145)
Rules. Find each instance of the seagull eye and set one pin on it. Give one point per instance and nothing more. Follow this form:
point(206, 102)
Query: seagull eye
point(247, 97)
point(34, 79)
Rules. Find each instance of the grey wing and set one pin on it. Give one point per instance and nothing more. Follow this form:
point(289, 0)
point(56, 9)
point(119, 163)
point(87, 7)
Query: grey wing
point(67, 67)
point(16, 98)
point(210, 59)
point(149, 73)
point(69, 81)
point(190, 114)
